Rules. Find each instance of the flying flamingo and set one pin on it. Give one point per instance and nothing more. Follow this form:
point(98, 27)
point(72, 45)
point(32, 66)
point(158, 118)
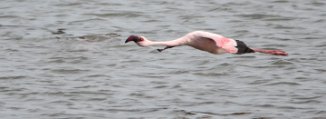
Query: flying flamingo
point(205, 41)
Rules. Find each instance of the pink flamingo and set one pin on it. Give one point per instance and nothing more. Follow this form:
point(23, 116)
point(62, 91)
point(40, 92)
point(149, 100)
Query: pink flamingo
point(205, 41)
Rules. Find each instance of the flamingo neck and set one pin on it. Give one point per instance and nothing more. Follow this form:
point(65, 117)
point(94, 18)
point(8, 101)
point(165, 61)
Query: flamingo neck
point(176, 42)
point(159, 43)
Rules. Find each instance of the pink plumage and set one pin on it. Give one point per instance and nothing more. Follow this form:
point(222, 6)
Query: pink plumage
point(205, 41)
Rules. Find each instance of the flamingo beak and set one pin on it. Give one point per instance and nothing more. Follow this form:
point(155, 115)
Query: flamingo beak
point(128, 40)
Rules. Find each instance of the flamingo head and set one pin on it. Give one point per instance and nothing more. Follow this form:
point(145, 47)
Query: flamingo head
point(139, 40)
point(134, 38)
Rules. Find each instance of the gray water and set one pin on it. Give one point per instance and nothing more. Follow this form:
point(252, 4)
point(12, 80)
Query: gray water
point(66, 59)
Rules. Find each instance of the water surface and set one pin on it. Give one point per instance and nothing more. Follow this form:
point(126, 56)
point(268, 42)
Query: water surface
point(67, 59)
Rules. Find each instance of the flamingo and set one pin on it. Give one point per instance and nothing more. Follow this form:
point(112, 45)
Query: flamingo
point(205, 41)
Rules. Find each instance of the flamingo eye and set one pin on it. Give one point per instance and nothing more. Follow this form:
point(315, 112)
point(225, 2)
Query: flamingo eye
point(139, 39)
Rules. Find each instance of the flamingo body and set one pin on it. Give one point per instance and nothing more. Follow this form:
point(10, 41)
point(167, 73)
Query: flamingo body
point(205, 41)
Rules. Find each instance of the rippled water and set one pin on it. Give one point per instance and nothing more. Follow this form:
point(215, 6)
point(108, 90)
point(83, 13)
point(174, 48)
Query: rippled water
point(67, 59)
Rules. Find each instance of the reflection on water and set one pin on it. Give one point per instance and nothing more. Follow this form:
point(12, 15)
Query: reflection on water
point(67, 59)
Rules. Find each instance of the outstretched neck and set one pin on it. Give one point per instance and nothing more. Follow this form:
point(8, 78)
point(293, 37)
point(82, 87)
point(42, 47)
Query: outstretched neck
point(158, 43)
point(173, 43)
